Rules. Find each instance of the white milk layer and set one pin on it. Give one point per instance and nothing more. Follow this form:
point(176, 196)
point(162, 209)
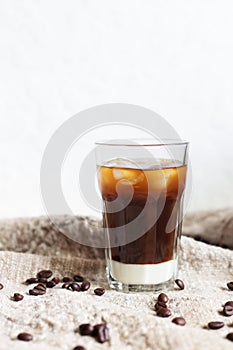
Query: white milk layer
point(143, 273)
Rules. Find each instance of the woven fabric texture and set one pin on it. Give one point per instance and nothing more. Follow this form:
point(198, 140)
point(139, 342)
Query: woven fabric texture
point(29, 245)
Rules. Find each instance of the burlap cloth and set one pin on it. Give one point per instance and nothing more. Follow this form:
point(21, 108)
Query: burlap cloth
point(29, 245)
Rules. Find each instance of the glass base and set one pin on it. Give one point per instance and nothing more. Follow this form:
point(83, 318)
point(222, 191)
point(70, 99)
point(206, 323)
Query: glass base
point(124, 287)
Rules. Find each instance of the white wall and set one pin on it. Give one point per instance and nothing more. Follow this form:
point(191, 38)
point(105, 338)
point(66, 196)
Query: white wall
point(60, 57)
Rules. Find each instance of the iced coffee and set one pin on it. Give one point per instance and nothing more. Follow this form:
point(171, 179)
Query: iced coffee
point(142, 200)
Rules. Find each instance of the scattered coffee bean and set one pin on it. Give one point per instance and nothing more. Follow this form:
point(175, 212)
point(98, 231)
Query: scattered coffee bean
point(25, 336)
point(230, 336)
point(86, 329)
point(180, 321)
point(101, 333)
point(179, 283)
point(44, 274)
point(40, 286)
point(160, 304)
point(43, 280)
point(75, 287)
point(230, 285)
point(85, 286)
point(66, 285)
point(79, 347)
point(228, 310)
point(229, 303)
point(56, 280)
point(36, 292)
point(78, 278)
point(32, 280)
point(163, 298)
point(1, 286)
point(50, 284)
point(67, 279)
point(99, 291)
point(18, 297)
point(164, 312)
point(215, 325)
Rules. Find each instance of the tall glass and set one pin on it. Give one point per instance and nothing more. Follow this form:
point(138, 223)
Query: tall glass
point(142, 185)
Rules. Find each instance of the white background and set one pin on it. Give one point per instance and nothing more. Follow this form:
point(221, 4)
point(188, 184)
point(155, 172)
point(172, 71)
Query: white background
point(60, 57)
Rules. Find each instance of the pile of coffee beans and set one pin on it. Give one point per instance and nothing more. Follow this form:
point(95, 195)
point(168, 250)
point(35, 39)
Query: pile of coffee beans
point(75, 284)
point(100, 331)
point(161, 306)
point(163, 311)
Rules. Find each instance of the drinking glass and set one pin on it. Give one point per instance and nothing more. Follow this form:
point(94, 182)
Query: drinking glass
point(142, 185)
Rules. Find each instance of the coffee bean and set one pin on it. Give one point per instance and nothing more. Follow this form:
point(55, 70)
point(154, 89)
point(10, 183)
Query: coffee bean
point(215, 325)
point(75, 287)
point(43, 280)
point(99, 291)
point(79, 347)
point(229, 303)
point(40, 286)
point(50, 284)
point(179, 283)
point(32, 280)
point(86, 329)
point(160, 304)
point(66, 285)
point(56, 280)
point(101, 333)
point(18, 297)
point(180, 321)
point(230, 285)
point(44, 274)
point(228, 310)
point(163, 297)
point(230, 336)
point(67, 279)
point(36, 292)
point(1, 286)
point(164, 312)
point(85, 286)
point(78, 278)
point(25, 336)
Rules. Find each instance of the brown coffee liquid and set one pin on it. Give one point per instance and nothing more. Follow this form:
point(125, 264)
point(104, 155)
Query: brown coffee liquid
point(166, 186)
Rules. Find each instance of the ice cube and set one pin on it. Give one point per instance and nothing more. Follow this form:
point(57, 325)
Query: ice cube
point(118, 174)
point(128, 176)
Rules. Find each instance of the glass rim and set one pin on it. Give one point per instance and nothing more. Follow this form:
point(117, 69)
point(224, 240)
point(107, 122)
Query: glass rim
point(138, 142)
